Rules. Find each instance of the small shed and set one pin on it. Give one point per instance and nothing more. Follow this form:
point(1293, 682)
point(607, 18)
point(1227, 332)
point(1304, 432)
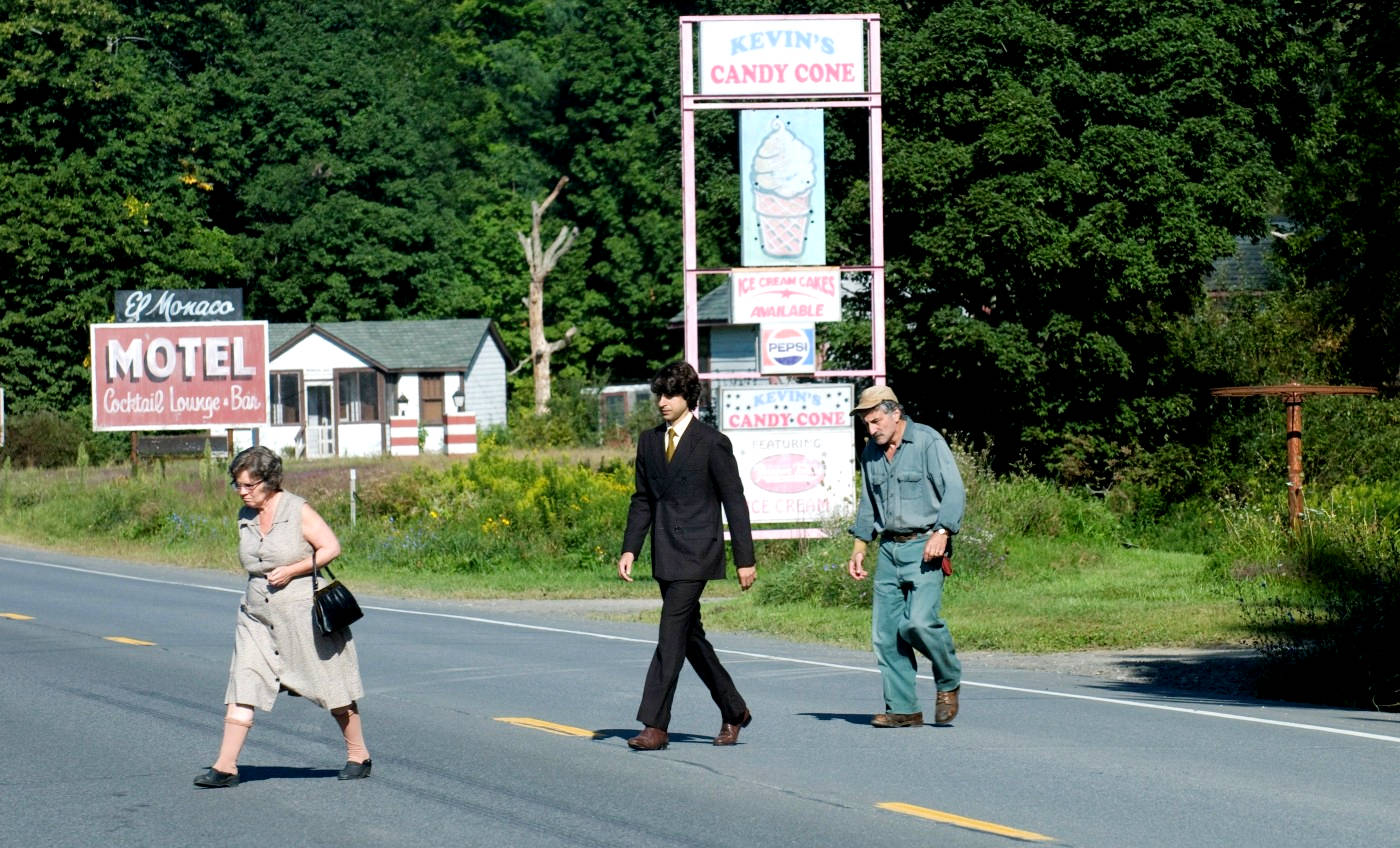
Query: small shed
point(723, 346)
point(368, 388)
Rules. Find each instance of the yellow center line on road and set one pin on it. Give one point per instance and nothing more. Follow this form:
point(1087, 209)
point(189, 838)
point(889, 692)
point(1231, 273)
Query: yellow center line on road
point(547, 726)
point(16, 616)
point(963, 821)
point(127, 640)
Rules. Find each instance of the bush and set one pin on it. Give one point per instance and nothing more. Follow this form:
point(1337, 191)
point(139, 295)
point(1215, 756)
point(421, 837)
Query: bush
point(49, 439)
point(572, 420)
point(998, 509)
point(1328, 616)
point(501, 508)
point(824, 583)
point(42, 439)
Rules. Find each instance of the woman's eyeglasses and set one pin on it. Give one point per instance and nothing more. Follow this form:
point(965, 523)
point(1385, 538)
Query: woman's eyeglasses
point(245, 487)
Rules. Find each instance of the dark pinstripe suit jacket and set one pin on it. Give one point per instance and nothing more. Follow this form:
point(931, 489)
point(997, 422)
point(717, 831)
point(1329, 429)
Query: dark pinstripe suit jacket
point(680, 500)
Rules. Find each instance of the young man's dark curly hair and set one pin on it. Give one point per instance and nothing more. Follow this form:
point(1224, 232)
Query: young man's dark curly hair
point(678, 380)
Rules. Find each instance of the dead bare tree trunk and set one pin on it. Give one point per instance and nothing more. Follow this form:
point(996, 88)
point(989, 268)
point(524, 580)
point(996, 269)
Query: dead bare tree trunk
point(541, 262)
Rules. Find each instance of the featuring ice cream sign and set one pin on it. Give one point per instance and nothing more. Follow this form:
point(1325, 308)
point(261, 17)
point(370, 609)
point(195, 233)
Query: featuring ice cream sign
point(793, 56)
point(795, 449)
point(782, 164)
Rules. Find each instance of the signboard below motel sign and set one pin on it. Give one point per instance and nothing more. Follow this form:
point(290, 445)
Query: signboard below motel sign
point(782, 56)
point(784, 295)
point(188, 376)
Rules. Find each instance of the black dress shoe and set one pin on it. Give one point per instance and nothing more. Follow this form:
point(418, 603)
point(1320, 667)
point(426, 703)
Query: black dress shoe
point(212, 779)
point(729, 732)
point(651, 739)
point(355, 771)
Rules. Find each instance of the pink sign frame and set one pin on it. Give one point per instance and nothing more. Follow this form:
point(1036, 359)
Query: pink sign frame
point(870, 100)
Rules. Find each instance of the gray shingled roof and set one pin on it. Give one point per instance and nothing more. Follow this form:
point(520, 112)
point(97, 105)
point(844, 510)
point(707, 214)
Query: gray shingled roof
point(712, 308)
point(1250, 268)
point(444, 344)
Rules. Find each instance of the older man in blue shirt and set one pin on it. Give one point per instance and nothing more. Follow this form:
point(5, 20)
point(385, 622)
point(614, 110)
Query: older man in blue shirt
point(911, 501)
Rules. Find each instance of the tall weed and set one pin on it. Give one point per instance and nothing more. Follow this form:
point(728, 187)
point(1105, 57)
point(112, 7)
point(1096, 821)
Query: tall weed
point(1325, 607)
point(999, 510)
point(501, 511)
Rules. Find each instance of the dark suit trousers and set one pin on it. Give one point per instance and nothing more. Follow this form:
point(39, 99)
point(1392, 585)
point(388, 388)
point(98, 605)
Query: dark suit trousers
point(681, 637)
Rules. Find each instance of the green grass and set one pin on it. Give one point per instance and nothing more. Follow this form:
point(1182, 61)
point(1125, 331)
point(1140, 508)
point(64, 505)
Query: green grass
point(1051, 596)
point(1037, 570)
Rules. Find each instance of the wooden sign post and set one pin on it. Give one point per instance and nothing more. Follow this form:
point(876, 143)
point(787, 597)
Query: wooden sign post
point(1292, 394)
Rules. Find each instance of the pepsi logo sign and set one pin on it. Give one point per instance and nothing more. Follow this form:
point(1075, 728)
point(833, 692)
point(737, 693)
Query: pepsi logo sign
point(788, 347)
point(787, 473)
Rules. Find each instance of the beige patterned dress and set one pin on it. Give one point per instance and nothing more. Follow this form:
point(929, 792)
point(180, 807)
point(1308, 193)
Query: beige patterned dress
point(274, 646)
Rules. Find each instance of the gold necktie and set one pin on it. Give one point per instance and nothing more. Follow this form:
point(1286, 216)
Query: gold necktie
point(670, 443)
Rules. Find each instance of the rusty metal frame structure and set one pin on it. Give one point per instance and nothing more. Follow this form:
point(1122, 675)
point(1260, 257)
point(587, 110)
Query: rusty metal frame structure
point(1293, 394)
point(870, 99)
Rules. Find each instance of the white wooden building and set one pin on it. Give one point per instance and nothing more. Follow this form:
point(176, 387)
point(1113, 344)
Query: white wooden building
point(371, 388)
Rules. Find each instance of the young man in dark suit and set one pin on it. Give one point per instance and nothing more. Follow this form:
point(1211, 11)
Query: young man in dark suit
point(685, 471)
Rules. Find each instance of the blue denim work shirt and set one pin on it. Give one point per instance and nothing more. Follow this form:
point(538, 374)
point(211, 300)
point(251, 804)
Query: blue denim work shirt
point(920, 488)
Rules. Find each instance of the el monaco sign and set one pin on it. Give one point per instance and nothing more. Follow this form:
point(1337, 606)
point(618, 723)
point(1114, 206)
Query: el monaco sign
point(134, 307)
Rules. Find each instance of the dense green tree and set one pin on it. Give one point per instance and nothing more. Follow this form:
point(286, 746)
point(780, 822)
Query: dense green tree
point(1059, 178)
point(348, 209)
point(1344, 188)
point(111, 153)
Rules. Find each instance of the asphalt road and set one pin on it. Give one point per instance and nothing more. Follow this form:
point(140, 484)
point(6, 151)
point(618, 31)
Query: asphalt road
point(505, 729)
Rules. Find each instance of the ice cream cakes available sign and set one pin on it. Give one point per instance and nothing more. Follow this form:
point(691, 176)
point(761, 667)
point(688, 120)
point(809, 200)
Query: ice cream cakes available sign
point(787, 349)
point(782, 178)
point(784, 295)
point(794, 447)
point(793, 56)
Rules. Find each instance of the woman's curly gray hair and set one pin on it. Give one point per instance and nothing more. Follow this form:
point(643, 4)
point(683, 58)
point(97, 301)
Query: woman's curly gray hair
point(259, 462)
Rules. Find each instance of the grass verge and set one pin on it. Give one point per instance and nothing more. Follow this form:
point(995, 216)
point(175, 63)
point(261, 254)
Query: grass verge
point(1037, 570)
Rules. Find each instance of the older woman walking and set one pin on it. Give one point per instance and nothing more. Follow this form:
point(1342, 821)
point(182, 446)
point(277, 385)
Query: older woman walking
point(280, 539)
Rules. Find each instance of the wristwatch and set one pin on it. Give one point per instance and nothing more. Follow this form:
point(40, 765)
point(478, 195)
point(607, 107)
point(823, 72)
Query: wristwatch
point(942, 530)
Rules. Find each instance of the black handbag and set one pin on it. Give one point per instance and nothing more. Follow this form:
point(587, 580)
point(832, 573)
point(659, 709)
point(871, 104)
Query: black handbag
point(332, 606)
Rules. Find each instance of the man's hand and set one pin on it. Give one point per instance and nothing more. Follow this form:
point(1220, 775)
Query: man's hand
point(624, 566)
point(936, 546)
point(856, 567)
point(747, 574)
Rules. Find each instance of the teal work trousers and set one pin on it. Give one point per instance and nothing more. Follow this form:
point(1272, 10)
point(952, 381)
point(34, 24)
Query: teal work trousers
point(908, 594)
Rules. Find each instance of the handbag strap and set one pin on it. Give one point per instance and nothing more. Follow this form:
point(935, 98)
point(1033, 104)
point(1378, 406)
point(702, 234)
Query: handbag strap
point(329, 573)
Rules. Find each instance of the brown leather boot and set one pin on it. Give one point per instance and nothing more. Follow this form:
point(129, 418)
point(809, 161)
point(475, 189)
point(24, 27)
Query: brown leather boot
point(898, 720)
point(946, 706)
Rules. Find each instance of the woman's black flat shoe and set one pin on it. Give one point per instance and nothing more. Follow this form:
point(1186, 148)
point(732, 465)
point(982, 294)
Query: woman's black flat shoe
point(355, 771)
point(212, 779)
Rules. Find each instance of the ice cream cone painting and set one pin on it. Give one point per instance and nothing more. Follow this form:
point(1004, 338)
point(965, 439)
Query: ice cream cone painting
point(783, 218)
